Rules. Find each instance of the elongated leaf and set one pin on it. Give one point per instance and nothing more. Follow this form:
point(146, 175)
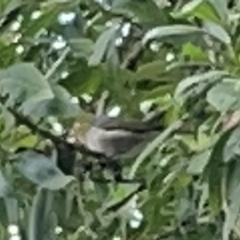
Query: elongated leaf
point(101, 45)
point(201, 9)
point(60, 105)
point(42, 222)
point(221, 7)
point(218, 32)
point(30, 28)
point(9, 6)
point(196, 53)
point(233, 194)
point(198, 162)
point(81, 47)
point(41, 170)
point(24, 84)
point(154, 144)
point(188, 82)
point(69, 202)
point(147, 11)
point(4, 186)
point(151, 70)
point(9, 120)
point(191, 6)
point(213, 171)
point(225, 95)
point(11, 205)
point(232, 147)
point(121, 198)
point(170, 31)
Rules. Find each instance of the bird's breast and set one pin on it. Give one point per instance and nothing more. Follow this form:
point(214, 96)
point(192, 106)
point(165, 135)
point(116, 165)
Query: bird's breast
point(111, 142)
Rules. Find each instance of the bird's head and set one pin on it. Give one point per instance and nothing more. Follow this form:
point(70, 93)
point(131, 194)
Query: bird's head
point(79, 127)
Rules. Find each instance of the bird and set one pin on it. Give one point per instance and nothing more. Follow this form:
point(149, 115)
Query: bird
point(113, 137)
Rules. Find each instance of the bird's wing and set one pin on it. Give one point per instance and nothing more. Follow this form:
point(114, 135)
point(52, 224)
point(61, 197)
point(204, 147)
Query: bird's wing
point(110, 123)
point(121, 141)
point(111, 143)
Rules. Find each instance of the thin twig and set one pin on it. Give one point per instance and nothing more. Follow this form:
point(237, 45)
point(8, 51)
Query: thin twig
point(132, 58)
point(116, 206)
point(101, 103)
point(48, 135)
point(56, 64)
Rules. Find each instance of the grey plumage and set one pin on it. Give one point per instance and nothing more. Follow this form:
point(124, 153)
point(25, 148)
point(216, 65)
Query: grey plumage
point(113, 137)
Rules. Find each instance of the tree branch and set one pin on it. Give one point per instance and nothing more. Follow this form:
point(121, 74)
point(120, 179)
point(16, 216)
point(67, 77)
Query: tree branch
point(132, 58)
point(116, 206)
point(48, 135)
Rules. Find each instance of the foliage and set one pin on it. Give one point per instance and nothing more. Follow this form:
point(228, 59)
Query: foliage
point(61, 59)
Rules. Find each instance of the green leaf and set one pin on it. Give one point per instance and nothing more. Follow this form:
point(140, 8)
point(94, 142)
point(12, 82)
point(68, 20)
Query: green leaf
point(159, 91)
point(101, 45)
point(114, 79)
point(193, 80)
point(28, 141)
point(198, 163)
point(151, 70)
point(225, 95)
point(233, 193)
point(43, 221)
point(9, 6)
point(82, 80)
point(27, 86)
point(145, 11)
point(48, 17)
point(41, 170)
point(24, 84)
point(183, 208)
point(232, 147)
point(201, 9)
point(9, 121)
point(170, 31)
point(121, 197)
point(218, 32)
point(70, 195)
point(154, 144)
point(197, 143)
point(190, 6)
point(3, 216)
point(11, 205)
point(213, 172)
point(221, 7)
point(4, 186)
point(60, 105)
point(194, 52)
point(81, 47)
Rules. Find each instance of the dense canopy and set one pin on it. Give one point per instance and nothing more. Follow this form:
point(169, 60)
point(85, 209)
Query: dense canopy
point(61, 60)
